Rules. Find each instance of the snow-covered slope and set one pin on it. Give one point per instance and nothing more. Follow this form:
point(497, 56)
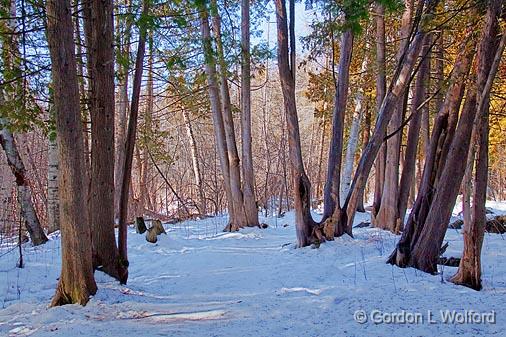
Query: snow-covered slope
point(198, 281)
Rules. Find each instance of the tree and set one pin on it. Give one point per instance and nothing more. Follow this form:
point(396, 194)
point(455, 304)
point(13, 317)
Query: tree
point(248, 174)
point(129, 147)
point(10, 91)
point(421, 245)
point(76, 283)
point(99, 23)
point(469, 272)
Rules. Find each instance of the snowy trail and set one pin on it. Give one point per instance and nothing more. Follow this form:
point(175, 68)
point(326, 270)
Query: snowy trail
point(198, 281)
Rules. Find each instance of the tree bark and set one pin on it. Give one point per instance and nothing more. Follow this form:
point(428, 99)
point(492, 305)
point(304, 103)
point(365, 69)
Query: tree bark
point(469, 272)
point(395, 93)
point(123, 54)
point(214, 98)
point(301, 186)
point(195, 162)
point(24, 192)
point(239, 219)
point(76, 283)
point(53, 208)
point(381, 88)
point(441, 138)
point(129, 149)
point(388, 214)
point(332, 207)
point(101, 54)
point(351, 147)
point(248, 174)
point(13, 88)
point(417, 113)
point(426, 249)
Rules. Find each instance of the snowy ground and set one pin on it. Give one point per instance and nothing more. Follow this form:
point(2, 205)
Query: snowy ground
point(198, 281)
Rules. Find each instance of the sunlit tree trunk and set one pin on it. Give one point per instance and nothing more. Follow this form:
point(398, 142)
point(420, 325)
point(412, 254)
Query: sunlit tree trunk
point(248, 185)
point(388, 213)
point(76, 283)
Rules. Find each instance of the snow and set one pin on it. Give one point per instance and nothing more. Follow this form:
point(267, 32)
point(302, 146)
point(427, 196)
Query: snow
point(199, 281)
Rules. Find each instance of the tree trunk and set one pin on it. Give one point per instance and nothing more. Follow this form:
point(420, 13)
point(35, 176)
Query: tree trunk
point(417, 113)
point(381, 88)
point(388, 214)
point(76, 283)
point(8, 92)
point(101, 51)
point(195, 162)
point(469, 272)
point(301, 186)
point(395, 93)
point(426, 249)
point(53, 209)
point(239, 219)
point(351, 147)
point(214, 98)
point(332, 207)
point(24, 191)
point(441, 138)
point(129, 149)
point(123, 54)
point(248, 174)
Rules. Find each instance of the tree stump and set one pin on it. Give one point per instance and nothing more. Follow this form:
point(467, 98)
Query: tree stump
point(140, 225)
point(158, 227)
point(151, 235)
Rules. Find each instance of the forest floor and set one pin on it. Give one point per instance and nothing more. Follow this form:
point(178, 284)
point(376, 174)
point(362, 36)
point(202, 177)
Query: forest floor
point(199, 281)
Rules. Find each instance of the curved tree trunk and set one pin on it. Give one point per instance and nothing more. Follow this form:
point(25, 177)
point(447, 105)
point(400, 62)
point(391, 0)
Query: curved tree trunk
point(76, 283)
point(12, 88)
point(301, 186)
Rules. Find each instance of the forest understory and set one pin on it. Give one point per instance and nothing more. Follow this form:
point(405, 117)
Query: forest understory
point(200, 281)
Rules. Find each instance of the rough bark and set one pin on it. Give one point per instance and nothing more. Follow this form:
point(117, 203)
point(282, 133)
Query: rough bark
point(388, 212)
point(248, 175)
point(332, 207)
point(217, 117)
point(395, 93)
point(469, 272)
point(101, 105)
point(441, 138)
point(417, 113)
point(129, 150)
point(426, 250)
point(301, 186)
point(238, 218)
point(76, 283)
point(381, 88)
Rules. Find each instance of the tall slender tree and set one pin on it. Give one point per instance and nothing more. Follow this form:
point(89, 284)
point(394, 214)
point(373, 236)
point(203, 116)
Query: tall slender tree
point(76, 283)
